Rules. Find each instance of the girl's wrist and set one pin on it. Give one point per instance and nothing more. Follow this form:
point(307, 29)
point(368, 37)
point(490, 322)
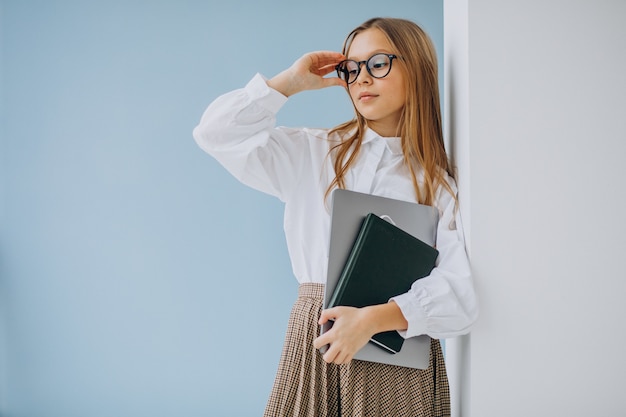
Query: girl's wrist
point(385, 317)
point(283, 83)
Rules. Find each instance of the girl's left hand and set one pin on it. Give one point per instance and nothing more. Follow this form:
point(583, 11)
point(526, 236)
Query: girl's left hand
point(351, 330)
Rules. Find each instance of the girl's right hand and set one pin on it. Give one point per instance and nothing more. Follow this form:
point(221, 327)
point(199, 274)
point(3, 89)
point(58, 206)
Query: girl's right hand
point(308, 73)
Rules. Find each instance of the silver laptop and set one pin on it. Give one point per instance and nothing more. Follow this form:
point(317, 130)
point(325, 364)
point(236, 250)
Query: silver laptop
point(349, 208)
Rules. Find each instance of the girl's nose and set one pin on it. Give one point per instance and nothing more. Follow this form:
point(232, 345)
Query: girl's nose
point(364, 76)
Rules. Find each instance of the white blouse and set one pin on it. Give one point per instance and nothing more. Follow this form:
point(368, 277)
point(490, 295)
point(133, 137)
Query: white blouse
point(239, 130)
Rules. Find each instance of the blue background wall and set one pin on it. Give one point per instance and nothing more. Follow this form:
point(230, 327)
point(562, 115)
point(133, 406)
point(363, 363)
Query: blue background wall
point(137, 278)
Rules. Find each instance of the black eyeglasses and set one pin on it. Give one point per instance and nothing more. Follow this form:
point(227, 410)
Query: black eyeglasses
point(378, 66)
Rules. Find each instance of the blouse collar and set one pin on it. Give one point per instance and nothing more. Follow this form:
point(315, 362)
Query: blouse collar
point(393, 144)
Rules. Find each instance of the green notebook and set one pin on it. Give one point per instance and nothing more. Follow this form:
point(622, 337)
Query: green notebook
point(384, 262)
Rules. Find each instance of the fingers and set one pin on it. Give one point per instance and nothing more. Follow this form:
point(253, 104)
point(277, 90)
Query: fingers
point(336, 356)
point(324, 59)
point(327, 315)
point(335, 352)
point(345, 338)
point(319, 63)
point(334, 82)
point(309, 72)
point(321, 341)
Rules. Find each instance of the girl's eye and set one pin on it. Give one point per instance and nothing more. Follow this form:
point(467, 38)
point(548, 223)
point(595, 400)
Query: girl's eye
point(351, 67)
point(378, 64)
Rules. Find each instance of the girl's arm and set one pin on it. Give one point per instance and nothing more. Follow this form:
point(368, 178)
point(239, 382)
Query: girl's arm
point(307, 73)
point(239, 128)
point(441, 305)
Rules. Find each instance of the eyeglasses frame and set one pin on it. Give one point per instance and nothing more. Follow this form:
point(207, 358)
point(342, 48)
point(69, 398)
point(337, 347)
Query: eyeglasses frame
point(360, 63)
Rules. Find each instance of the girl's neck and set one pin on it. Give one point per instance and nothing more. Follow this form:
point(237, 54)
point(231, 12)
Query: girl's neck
point(384, 129)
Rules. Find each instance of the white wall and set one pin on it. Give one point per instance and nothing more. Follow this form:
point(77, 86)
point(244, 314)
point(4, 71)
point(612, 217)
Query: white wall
point(546, 143)
point(456, 124)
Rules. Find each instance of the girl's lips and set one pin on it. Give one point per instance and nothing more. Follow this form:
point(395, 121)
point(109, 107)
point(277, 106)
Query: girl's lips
point(367, 96)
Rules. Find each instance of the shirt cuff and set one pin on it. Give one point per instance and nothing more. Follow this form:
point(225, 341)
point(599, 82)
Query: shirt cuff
point(413, 313)
point(264, 95)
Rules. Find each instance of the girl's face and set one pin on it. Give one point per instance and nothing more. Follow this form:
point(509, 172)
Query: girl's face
point(379, 100)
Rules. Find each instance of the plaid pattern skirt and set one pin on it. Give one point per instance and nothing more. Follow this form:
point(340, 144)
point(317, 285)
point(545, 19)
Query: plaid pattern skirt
point(306, 386)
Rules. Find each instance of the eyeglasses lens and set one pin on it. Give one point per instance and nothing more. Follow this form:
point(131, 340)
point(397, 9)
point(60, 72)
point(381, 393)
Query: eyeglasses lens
point(378, 66)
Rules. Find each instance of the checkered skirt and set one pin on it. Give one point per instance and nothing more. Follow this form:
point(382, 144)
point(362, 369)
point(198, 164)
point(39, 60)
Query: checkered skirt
point(306, 386)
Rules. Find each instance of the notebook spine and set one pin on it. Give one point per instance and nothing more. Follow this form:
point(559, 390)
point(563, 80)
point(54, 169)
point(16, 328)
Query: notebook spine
point(342, 283)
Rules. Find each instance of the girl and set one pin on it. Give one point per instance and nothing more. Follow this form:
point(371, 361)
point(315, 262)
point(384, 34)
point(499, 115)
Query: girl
point(393, 148)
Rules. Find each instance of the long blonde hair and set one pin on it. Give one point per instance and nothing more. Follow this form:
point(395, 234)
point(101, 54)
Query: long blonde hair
point(420, 125)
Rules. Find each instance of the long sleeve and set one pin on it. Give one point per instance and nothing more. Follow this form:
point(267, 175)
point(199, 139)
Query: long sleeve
point(443, 304)
point(238, 129)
